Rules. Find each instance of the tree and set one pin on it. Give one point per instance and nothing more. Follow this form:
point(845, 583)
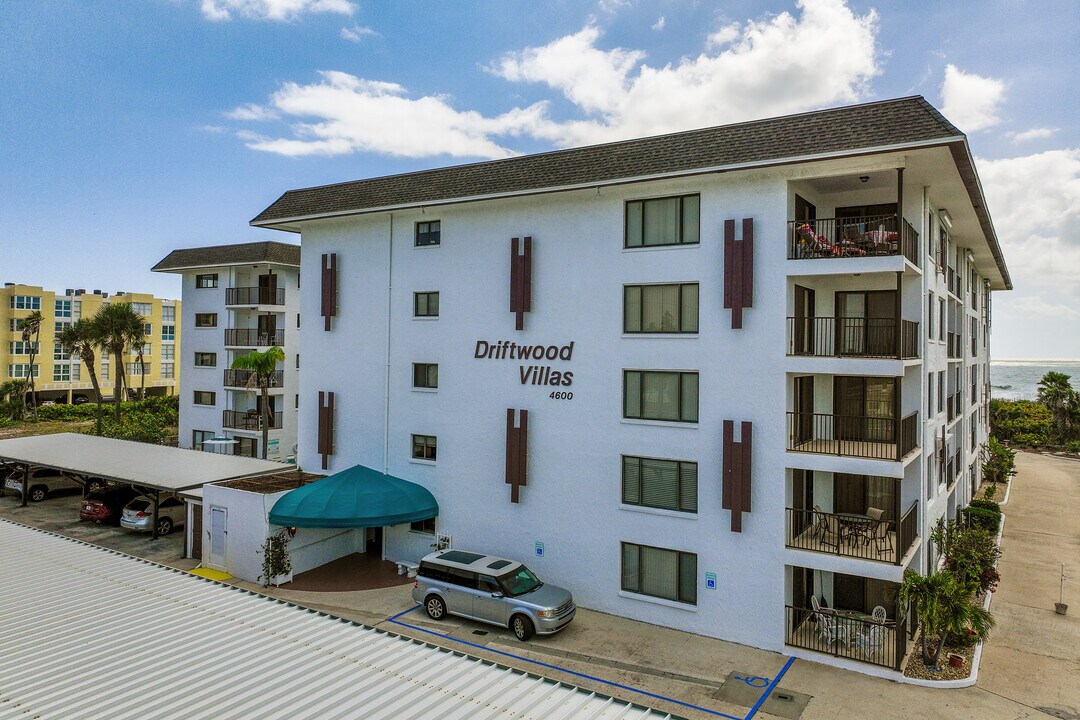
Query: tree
point(80, 338)
point(998, 461)
point(13, 397)
point(262, 365)
point(114, 326)
point(942, 606)
point(31, 328)
point(1056, 393)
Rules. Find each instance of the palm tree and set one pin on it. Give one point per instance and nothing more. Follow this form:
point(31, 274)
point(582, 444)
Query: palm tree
point(942, 607)
point(262, 365)
point(1057, 394)
point(138, 345)
point(115, 325)
point(80, 338)
point(31, 328)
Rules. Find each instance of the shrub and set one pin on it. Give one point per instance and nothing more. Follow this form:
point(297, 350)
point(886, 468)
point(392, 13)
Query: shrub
point(998, 461)
point(970, 552)
point(1030, 439)
point(982, 518)
point(1009, 418)
point(988, 504)
point(1073, 446)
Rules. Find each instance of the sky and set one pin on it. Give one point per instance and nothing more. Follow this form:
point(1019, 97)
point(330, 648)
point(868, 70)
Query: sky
point(129, 128)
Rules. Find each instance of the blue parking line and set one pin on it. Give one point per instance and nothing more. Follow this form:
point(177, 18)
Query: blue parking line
point(768, 690)
point(485, 648)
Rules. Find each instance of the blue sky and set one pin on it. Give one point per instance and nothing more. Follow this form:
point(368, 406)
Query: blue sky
point(128, 129)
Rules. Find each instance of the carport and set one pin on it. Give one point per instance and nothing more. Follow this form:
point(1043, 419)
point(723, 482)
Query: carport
point(150, 468)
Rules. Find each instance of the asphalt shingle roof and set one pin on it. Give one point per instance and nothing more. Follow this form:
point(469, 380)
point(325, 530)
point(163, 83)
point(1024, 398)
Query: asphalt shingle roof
point(856, 127)
point(256, 252)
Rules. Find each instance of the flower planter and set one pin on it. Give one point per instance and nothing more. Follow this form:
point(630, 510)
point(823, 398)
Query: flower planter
point(956, 661)
point(1060, 608)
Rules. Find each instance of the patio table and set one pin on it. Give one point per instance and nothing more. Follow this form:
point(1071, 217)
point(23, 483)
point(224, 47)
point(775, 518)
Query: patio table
point(856, 524)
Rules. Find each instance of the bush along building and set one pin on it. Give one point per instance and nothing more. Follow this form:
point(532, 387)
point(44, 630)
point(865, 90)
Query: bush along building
point(710, 380)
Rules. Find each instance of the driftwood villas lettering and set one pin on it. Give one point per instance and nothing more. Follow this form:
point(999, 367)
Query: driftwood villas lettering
point(530, 374)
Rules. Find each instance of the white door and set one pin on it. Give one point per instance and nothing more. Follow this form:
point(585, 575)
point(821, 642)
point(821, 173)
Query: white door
point(218, 533)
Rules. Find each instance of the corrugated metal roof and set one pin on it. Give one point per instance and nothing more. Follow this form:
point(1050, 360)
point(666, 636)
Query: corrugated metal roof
point(152, 466)
point(90, 633)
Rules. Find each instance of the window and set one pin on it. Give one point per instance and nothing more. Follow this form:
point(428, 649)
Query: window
point(76, 309)
point(76, 371)
point(663, 221)
point(60, 352)
point(198, 437)
point(204, 397)
point(147, 349)
point(22, 347)
point(23, 370)
point(147, 329)
point(661, 573)
point(297, 321)
point(930, 237)
point(423, 447)
point(62, 308)
point(426, 304)
point(974, 383)
point(206, 281)
point(104, 369)
point(246, 447)
point(930, 314)
point(205, 359)
point(424, 526)
point(660, 395)
point(660, 308)
point(425, 375)
point(296, 401)
point(929, 394)
point(16, 324)
point(168, 313)
point(58, 326)
point(941, 319)
point(297, 361)
point(941, 391)
point(24, 302)
point(138, 368)
point(61, 373)
point(205, 320)
point(168, 352)
point(168, 332)
point(428, 233)
point(666, 484)
point(930, 484)
point(167, 370)
point(974, 336)
point(144, 309)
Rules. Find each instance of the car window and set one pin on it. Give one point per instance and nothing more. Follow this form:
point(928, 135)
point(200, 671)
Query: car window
point(430, 570)
point(519, 582)
point(488, 584)
point(170, 502)
point(138, 505)
point(464, 578)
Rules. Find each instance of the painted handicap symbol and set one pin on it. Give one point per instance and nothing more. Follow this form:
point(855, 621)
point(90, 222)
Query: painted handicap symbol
point(753, 681)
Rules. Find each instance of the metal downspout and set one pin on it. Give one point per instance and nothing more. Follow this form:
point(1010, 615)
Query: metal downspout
point(386, 396)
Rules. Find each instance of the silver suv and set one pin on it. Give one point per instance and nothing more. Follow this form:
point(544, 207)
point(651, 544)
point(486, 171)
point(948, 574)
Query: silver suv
point(492, 590)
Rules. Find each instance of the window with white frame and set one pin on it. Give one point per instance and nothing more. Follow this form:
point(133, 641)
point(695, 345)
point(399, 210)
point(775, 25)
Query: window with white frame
point(657, 483)
point(167, 370)
point(659, 572)
point(76, 371)
point(136, 368)
point(60, 352)
point(660, 308)
point(663, 221)
point(24, 302)
point(424, 447)
point(61, 373)
point(22, 347)
point(147, 329)
point(22, 370)
point(62, 308)
point(168, 313)
point(16, 324)
point(144, 309)
point(168, 332)
point(168, 352)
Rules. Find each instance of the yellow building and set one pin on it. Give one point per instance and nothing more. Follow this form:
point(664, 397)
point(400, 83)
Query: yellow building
point(59, 377)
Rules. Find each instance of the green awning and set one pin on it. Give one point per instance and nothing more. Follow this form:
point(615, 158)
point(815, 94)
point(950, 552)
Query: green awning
point(357, 497)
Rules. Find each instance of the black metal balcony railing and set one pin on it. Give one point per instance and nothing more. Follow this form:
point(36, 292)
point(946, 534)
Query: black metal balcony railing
point(852, 436)
point(845, 535)
point(851, 337)
point(254, 296)
point(909, 530)
point(847, 634)
point(873, 235)
point(952, 343)
point(241, 378)
point(249, 420)
point(253, 337)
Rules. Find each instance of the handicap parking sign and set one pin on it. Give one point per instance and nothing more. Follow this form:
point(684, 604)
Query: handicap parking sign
point(710, 580)
point(539, 549)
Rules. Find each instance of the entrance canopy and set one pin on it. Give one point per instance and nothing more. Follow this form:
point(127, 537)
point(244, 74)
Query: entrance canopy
point(357, 497)
point(156, 467)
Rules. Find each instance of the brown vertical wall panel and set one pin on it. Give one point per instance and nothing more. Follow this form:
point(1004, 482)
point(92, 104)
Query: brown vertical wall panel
point(517, 452)
point(737, 488)
point(738, 270)
point(520, 280)
point(325, 441)
point(329, 287)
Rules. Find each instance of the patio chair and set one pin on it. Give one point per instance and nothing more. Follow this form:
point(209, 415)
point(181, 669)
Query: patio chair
point(880, 536)
point(874, 513)
point(826, 525)
point(830, 630)
point(870, 642)
point(879, 614)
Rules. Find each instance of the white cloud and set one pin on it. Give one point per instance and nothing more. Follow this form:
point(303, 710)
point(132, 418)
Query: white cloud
point(279, 10)
point(251, 111)
point(970, 101)
point(762, 68)
point(1032, 134)
point(356, 33)
point(1032, 305)
point(352, 114)
point(659, 24)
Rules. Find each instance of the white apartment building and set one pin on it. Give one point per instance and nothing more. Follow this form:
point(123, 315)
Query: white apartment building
point(243, 297)
point(704, 380)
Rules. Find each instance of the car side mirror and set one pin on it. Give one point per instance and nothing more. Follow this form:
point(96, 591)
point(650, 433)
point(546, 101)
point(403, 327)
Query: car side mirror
point(496, 594)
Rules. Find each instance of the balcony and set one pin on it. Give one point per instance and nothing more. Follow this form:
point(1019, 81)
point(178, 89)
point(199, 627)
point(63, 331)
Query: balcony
point(248, 420)
point(874, 438)
point(852, 534)
point(253, 337)
point(870, 236)
point(848, 634)
point(254, 296)
point(853, 337)
point(245, 379)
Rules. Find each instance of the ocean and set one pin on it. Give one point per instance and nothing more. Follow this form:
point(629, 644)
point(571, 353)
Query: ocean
point(1019, 379)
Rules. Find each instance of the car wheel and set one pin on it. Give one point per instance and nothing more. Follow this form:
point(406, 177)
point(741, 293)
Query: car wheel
point(436, 608)
point(164, 526)
point(95, 485)
point(522, 627)
point(38, 493)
